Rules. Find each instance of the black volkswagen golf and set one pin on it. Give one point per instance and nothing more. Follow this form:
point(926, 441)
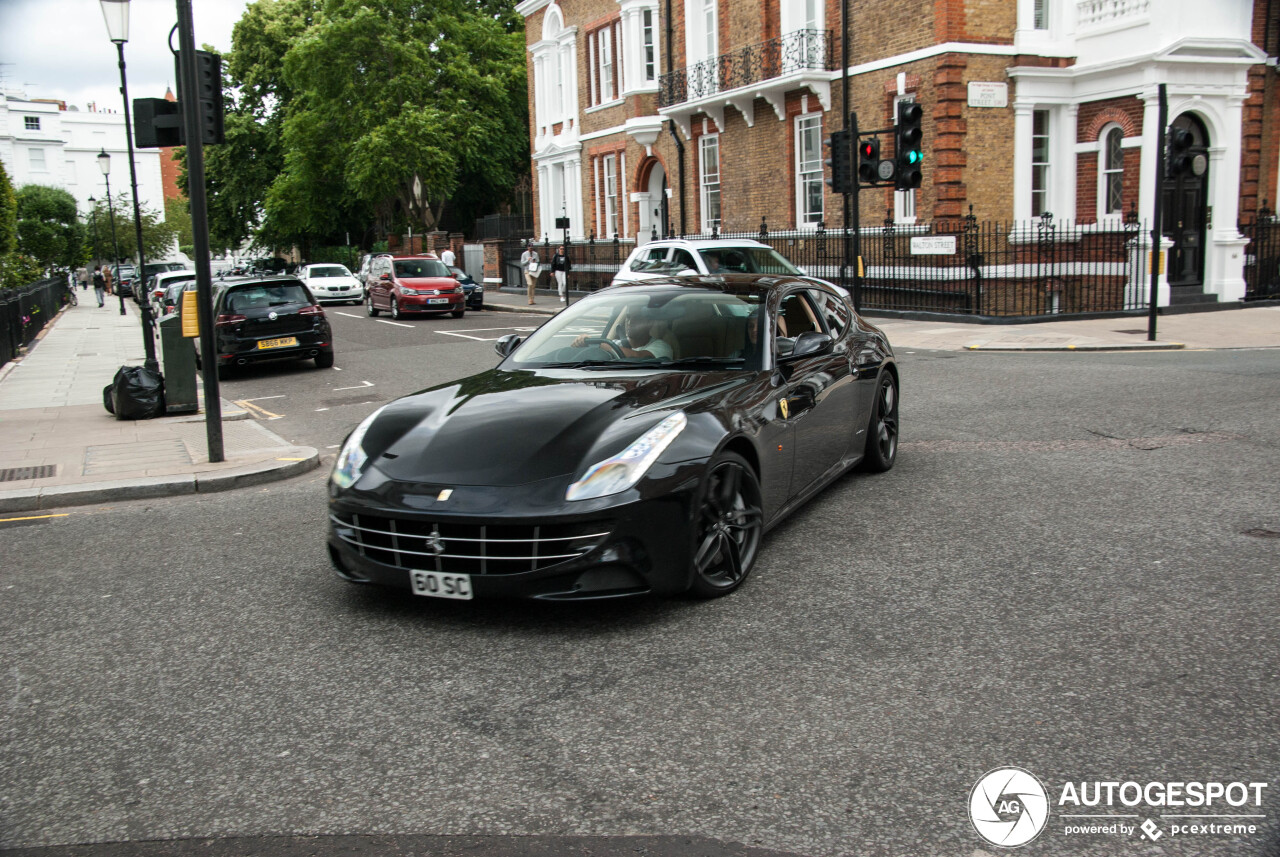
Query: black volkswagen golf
point(257, 319)
point(641, 441)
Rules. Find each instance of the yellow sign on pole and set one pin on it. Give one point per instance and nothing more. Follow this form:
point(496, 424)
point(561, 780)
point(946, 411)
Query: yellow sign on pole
point(1159, 260)
point(190, 315)
point(862, 272)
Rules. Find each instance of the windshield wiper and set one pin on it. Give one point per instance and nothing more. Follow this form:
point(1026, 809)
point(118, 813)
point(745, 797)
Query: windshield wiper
point(583, 364)
point(707, 361)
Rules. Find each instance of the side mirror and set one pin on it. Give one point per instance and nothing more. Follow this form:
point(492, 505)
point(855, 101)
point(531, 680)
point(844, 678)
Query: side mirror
point(506, 344)
point(386, 277)
point(810, 343)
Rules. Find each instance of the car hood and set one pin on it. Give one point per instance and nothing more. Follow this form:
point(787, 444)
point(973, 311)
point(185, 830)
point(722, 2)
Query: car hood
point(514, 427)
point(428, 282)
point(319, 282)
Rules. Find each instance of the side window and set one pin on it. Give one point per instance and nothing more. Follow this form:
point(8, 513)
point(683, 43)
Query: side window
point(833, 311)
point(650, 260)
point(796, 316)
point(682, 259)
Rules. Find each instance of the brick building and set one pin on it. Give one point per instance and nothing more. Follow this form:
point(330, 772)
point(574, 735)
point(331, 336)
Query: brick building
point(694, 115)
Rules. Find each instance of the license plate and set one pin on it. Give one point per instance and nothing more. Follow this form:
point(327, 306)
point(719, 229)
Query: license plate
point(438, 300)
point(278, 343)
point(434, 584)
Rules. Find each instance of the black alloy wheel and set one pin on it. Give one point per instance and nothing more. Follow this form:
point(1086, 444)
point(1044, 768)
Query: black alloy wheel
point(729, 524)
point(882, 432)
point(373, 310)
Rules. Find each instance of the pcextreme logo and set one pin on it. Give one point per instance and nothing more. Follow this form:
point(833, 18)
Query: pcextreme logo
point(1010, 807)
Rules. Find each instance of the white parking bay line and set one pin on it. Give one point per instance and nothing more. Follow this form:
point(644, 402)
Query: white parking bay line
point(464, 333)
point(359, 386)
point(396, 323)
point(347, 314)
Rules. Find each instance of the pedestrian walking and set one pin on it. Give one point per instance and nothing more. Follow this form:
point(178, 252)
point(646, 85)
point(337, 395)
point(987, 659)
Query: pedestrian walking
point(529, 264)
point(99, 284)
point(82, 277)
point(560, 269)
point(106, 276)
point(448, 258)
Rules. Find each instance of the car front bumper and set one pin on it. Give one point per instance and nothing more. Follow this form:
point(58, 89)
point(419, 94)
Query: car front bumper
point(634, 543)
point(423, 303)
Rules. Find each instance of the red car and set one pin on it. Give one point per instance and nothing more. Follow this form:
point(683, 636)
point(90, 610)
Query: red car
point(404, 284)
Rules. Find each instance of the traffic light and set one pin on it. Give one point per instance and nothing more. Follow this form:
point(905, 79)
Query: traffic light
point(1184, 158)
point(205, 96)
point(907, 138)
point(869, 160)
point(840, 162)
point(156, 123)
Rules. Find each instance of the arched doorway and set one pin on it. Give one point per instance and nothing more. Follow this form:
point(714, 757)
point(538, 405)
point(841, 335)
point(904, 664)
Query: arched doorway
point(653, 203)
point(1185, 208)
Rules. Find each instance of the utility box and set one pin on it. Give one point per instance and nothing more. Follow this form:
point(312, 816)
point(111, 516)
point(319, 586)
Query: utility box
point(179, 367)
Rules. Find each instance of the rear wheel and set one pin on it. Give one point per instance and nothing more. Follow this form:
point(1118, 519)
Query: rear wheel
point(882, 431)
point(373, 311)
point(729, 522)
point(324, 359)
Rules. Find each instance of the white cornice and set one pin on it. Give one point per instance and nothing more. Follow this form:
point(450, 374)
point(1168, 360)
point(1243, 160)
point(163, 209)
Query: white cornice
point(528, 7)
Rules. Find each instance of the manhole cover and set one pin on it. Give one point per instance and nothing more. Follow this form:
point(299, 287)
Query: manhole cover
point(17, 474)
point(1260, 533)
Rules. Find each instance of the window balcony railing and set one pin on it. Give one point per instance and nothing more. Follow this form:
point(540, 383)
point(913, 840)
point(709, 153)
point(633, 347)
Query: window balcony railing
point(796, 51)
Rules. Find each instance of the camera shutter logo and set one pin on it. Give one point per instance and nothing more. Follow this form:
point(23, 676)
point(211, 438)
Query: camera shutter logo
point(1009, 807)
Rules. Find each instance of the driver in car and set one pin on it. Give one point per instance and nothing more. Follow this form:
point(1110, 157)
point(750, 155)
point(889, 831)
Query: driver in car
point(638, 341)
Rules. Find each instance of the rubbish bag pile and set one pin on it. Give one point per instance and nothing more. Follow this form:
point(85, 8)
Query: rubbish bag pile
point(137, 393)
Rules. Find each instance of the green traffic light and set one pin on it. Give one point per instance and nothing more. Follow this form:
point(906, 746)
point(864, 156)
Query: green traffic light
point(914, 157)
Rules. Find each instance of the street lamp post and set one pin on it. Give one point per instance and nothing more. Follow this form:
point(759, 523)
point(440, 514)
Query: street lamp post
point(104, 164)
point(93, 219)
point(116, 15)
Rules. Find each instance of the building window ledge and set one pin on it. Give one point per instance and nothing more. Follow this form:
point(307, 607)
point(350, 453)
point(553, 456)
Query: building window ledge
point(604, 106)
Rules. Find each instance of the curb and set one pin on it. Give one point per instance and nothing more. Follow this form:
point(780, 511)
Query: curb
point(531, 310)
point(151, 487)
point(1155, 346)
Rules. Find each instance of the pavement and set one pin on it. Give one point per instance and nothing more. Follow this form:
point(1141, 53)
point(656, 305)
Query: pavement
point(1245, 327)
point(60, 447)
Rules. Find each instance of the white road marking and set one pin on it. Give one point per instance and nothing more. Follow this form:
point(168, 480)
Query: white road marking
point(396, 323)
point(347, 314)
point(264, 398)
point(359, 386)
point(464, 333)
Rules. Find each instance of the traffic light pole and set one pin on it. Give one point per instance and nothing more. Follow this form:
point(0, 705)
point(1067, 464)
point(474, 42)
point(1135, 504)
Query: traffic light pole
point(200, 230)
point(851, 202)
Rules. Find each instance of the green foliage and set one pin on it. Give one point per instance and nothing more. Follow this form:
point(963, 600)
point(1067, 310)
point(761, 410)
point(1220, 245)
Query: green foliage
point(8, 215)
point(48, 226)
point(17, 270)
point(177, 213)
point(349, 111)
point(158, 237)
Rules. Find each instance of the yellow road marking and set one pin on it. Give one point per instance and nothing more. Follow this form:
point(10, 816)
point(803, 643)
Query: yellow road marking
point(290, 459)
point(34, 517)
point(261, 411)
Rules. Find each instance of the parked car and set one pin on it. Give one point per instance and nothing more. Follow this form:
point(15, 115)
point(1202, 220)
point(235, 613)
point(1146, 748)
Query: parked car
point(663, 427)
point(123, 277)
point(404, 284)
point(171, 300)
point(257, 319)
point(330, 282)
point(473, 290)
point(713, 256)
point(159, 284)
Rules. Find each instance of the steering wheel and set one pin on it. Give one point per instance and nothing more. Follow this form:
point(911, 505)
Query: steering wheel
point(607, 345)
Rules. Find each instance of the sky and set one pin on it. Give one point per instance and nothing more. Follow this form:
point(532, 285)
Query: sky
point(59, 48)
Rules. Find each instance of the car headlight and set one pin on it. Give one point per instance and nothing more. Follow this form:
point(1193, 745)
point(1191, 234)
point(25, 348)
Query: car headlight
point(352, 458)
point(621, 471)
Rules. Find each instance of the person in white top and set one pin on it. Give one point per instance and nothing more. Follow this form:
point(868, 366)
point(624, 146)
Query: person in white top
point(448, 258)
point(637, 342)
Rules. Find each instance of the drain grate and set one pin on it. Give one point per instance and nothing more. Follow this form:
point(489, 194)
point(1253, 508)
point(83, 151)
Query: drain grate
point(17, 474)
point(1261, 533)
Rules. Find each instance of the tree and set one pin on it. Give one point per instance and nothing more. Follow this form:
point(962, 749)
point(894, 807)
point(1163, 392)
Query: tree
point(177, 213)
point(158, 237)
point(8, 215)
point(49, 228)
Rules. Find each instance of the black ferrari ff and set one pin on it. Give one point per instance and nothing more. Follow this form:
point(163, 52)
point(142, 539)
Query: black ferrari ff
point(641, 441)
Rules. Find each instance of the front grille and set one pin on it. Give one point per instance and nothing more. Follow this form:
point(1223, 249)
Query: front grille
point(448, 546)
point(258, 328)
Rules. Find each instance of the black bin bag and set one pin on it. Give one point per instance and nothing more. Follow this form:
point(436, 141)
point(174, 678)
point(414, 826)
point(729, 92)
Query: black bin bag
point(137, 393)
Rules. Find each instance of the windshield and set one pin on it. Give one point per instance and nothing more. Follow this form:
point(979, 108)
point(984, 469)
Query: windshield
point(747, 260)
point(414, 268)
point(265, 296)
point(681, 328)
point(329, 271)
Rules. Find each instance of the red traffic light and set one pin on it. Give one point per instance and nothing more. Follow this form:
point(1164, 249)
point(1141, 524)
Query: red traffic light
point(867, 149)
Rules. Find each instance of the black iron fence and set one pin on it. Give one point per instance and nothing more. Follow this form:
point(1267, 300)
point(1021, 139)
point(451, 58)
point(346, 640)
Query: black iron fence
point(1262, 258)
point(25, 311)
point(965, 266)
point(503, 226)
point(795, 51)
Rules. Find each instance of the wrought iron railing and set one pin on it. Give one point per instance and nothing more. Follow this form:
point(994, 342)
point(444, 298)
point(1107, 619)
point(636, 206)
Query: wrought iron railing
point(1262, 256)
point(795, 51)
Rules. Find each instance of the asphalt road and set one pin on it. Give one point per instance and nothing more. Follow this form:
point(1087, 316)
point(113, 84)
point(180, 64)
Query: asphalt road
point(1069, 570)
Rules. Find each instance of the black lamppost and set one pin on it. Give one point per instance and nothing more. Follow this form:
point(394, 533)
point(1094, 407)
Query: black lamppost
point(93, 219)
point(104, 164)
point(116, 15)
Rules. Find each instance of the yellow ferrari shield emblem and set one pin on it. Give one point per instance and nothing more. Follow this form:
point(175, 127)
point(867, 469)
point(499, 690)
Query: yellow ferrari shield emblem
point(785, 408)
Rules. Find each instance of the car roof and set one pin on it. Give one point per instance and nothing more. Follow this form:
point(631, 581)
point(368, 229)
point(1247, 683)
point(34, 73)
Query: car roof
point(736, 284)
point(705, 243)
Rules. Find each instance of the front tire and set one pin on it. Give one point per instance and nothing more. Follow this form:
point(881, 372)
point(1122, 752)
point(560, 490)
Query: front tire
point(729, 522)
point(373, 311)
point(882, 432)
point(395, 309)
point(459, 313)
